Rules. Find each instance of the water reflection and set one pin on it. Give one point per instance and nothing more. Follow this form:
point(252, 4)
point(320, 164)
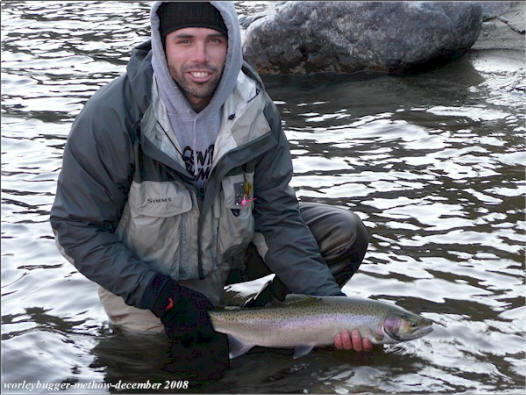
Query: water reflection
point(433, 163)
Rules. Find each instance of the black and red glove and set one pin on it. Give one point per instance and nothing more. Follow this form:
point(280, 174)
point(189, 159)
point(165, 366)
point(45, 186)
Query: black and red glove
point(197, 350)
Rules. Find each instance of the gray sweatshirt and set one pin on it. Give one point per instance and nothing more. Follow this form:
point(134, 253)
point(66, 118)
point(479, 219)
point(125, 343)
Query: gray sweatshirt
point(194, 134)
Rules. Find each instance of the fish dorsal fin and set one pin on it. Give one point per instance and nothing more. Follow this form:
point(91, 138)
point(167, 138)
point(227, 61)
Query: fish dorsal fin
point(237, 347)
point(300, 351)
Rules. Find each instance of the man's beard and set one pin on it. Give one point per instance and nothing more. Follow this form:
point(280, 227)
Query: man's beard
point(190, 88)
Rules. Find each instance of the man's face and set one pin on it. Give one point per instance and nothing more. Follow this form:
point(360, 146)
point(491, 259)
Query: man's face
point(196, 58)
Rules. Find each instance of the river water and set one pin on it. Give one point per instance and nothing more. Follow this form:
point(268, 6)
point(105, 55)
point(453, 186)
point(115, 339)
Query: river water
point(433, 163)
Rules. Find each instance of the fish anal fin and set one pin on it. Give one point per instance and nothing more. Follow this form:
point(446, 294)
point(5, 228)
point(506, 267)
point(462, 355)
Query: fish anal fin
point(300, 351)
point(237, 347)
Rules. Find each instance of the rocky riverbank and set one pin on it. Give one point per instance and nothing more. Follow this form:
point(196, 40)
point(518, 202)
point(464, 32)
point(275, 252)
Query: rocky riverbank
point(503, 27)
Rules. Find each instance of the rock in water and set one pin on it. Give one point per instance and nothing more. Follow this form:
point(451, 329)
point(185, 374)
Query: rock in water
point(318, 36)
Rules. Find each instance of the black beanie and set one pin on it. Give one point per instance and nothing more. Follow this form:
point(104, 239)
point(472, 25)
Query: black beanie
point(178, 15)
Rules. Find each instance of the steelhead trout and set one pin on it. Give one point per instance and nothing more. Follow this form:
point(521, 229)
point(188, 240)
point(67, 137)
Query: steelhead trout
point(303, 322)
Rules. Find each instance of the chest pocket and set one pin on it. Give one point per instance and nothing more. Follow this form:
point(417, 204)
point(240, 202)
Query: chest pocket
point(236, 224)
point(159, 199)
point(161, 226)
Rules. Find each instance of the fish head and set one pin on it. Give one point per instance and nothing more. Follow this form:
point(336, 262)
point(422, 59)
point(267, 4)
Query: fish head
point(399, 327)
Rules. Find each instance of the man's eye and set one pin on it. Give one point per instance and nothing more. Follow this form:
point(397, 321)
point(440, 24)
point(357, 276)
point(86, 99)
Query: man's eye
point(182, 41)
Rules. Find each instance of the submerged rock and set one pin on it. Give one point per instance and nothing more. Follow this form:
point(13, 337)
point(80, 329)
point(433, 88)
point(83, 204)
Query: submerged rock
point(303, 37)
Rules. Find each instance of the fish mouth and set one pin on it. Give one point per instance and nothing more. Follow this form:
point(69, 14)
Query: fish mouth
point(415, 334)
point(420, 332)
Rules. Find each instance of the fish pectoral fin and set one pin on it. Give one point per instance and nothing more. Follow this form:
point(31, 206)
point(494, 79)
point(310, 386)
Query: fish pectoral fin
point(237, 347)
point(300, 351)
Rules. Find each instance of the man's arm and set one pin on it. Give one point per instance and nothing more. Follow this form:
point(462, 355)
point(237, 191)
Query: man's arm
point(91, 193)
point(92, 190)
point(293, 253)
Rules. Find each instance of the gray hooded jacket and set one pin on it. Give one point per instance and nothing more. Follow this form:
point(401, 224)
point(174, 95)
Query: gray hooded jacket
point(126, 207)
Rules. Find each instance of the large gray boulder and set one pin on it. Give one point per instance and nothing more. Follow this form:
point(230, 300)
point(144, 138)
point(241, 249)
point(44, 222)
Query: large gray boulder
point(318, 36)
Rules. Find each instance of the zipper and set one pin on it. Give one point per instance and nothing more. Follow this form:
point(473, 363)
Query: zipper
point(168, 135)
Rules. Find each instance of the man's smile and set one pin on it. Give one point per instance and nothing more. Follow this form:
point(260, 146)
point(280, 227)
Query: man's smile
point(200, 76)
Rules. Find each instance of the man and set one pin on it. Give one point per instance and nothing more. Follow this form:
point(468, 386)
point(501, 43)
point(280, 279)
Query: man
point(175, 182)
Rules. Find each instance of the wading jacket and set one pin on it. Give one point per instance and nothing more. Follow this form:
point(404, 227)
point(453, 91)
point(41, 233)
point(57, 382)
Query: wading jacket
point(126, 209)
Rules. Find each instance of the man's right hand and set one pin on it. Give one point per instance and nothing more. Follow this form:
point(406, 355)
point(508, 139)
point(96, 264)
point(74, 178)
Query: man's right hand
point(197, 350)
point(352, 341)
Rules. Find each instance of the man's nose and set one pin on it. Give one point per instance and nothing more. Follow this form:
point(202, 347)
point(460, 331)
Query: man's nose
point(200, 53)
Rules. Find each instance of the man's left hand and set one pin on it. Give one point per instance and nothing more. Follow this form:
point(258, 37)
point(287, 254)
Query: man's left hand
point(352, 341)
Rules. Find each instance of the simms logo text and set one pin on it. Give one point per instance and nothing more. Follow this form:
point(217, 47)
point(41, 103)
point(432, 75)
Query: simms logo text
point(159, 200)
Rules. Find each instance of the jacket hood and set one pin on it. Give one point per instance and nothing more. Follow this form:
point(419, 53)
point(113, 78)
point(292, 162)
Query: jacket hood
point(139, 72)
point(169, 90)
